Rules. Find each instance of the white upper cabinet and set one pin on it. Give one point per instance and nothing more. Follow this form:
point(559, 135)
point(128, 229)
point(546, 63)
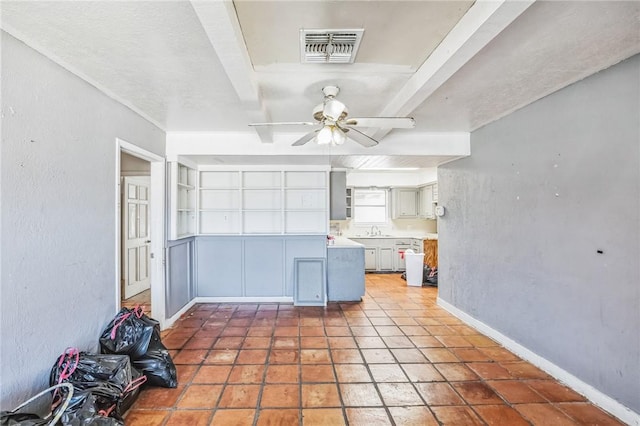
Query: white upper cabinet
point(426, 202)
point(404, 203)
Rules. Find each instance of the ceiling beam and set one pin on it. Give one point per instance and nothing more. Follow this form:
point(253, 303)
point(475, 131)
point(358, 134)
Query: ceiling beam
point(220, 22)
point(481, 24)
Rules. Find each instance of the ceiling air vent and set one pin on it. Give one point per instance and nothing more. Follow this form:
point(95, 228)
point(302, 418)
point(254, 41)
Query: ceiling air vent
point(329, 46)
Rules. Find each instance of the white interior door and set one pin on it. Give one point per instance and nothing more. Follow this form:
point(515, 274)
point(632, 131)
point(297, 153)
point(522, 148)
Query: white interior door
point(136, 254)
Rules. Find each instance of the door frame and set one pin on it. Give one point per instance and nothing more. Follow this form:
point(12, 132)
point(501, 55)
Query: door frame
point(157, 226)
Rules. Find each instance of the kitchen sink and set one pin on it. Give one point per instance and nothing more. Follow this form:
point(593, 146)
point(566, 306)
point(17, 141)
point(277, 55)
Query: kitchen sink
point(372, 236)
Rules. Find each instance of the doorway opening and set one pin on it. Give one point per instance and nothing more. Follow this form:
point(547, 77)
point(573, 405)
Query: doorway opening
point(140, 236)
point(135, 253)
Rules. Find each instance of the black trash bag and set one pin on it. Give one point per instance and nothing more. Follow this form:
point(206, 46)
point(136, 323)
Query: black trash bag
point(109, 379)
point(430, 276)
point(87, 413)
point(129, 333)
point(157, 364)
point(11, 418)
point(132, 392)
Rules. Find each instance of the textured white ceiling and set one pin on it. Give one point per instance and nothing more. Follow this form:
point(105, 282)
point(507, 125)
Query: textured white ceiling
point(153, 55)
point(398, 33)
point(548, 47)
point(216, 66)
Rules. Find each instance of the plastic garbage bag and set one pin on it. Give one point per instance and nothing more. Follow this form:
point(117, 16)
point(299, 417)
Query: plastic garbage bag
point(129, 333)
point(430, 276)
point(22, 415)
point(157, 364)
point(87, 413)
point(9, 418)
point(107, 380)
point(135, 334)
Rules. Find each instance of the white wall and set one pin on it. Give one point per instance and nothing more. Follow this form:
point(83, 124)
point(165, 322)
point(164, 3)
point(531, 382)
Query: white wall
point(541, 240)
point(391, 178)
point(57, 246)
point(398, 227)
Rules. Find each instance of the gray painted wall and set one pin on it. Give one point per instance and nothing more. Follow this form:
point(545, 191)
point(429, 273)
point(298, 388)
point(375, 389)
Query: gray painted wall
point(545, 188)
point(58, 226)
point(253, 266)
point(179, 278)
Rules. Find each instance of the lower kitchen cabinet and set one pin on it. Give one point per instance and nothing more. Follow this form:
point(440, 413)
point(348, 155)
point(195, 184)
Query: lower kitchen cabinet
point(431, 253)
point(345, 274)
point(401, 264)
point(370, 259)
point(385, 259)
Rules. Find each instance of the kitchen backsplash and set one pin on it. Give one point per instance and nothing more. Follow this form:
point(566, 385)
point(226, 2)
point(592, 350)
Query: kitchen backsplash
point(400, 228)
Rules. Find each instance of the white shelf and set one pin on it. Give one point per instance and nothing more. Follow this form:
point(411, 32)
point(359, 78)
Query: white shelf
point(182, 200)
point(262, 202)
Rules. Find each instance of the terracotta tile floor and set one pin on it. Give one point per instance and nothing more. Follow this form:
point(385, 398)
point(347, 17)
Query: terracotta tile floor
point(142, 299)
point(396, 358)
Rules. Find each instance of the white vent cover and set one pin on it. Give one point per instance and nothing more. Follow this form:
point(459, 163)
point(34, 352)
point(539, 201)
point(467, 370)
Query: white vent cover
point(329, 46)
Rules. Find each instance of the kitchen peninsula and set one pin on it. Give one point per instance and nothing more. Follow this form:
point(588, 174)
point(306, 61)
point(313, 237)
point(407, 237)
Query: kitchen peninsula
point(345, 270)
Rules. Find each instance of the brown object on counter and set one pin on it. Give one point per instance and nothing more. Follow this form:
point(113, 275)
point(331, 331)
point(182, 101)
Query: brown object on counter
point(430, 248)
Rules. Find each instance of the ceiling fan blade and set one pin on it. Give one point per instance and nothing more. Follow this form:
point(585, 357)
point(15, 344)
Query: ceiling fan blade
point(361, 138)
point(306, 138)
point(285, 123)
point(382, 122)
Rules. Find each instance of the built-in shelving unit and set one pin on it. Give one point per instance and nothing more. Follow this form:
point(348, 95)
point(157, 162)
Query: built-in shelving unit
point(219, 202)
point(305, 207)
point(262, 202)
point(183, 201)
point(349, 203)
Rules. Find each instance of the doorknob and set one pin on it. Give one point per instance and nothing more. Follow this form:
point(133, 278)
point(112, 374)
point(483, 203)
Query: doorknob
point(147, 242)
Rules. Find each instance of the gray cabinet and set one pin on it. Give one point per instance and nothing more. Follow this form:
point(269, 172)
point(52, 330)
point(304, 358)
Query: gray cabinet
point(251, 266)
point(345, 274)
point(338, 195)
point(310, 282)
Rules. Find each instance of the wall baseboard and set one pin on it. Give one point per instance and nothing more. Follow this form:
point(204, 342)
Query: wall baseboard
point(170, 321)
point(277, 299)
point(592, 394)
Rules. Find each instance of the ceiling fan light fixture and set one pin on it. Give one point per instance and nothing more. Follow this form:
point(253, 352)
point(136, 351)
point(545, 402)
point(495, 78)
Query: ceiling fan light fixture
point(325, 136)
point(337, 136)
point(334, 110)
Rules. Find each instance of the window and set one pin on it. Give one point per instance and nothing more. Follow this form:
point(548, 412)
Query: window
point(370, 206)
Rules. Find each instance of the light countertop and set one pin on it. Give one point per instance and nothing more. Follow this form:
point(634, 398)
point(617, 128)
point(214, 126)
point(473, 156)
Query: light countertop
point(420, 237)
point(344, 242)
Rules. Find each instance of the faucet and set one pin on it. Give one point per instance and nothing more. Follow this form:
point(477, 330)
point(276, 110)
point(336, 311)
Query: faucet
point(376, 232)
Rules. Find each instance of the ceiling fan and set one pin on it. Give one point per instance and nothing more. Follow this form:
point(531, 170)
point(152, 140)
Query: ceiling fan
point(335, 127)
